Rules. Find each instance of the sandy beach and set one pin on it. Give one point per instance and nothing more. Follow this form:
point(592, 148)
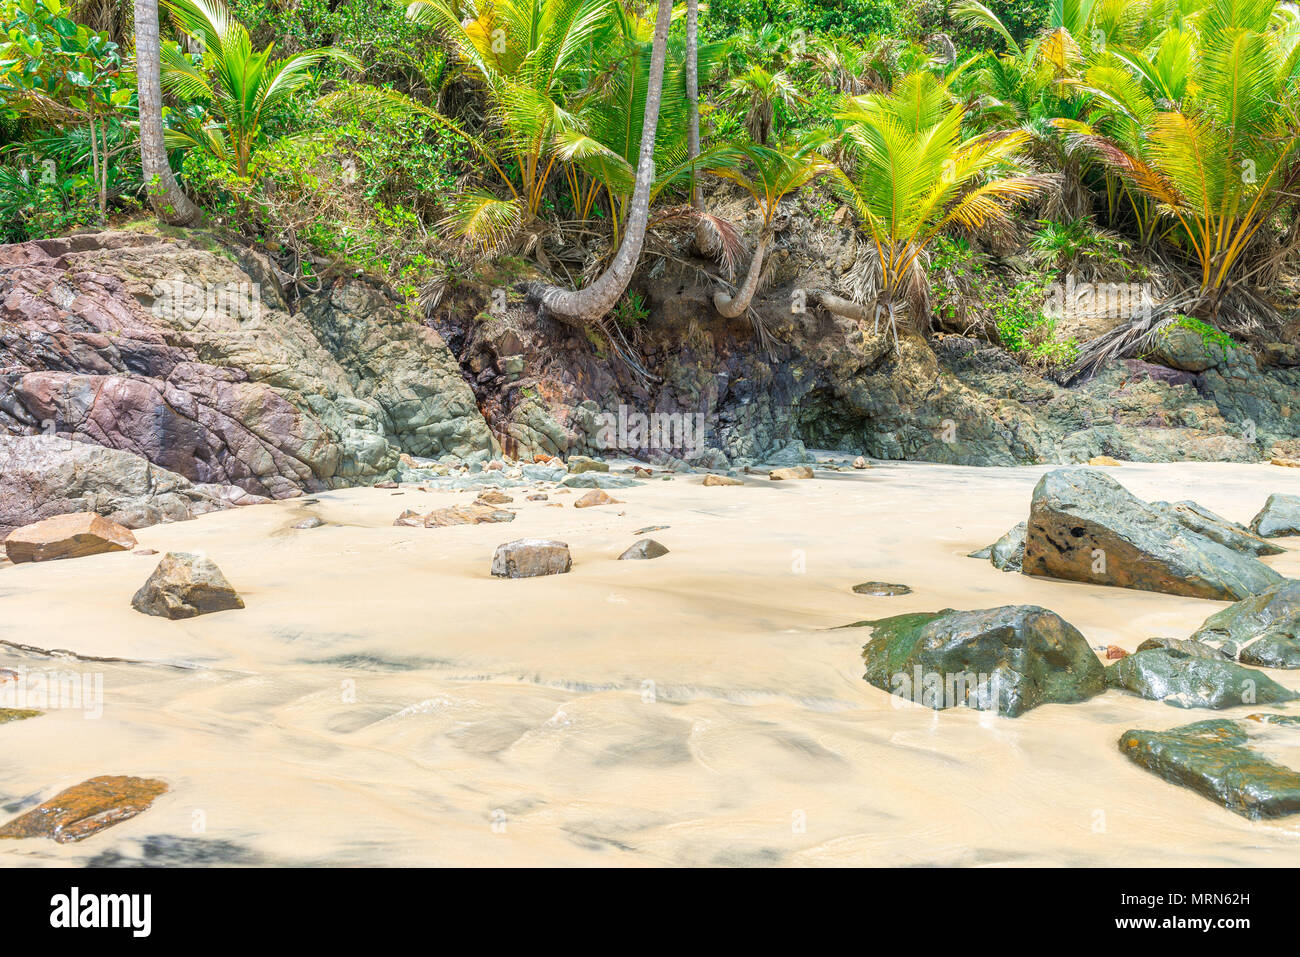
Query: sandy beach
point(383, 700)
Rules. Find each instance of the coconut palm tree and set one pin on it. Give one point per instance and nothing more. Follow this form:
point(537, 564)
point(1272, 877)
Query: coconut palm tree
point(759, 92)
point(915, 174)
point(1208, 128)
point(170, 204)
point(239, 85)
point(768, 175)
point(593, 302)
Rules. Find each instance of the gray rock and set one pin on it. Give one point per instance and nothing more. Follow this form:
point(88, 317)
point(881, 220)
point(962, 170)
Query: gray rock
point(185, 586)
point(531, 557)
point(1084, 526)
point(307, 523)
point(1008, 552)
point(1008, 659)
point(644, 549)
point(1229, 762)
point(42, 476)
point(1187, 681)
point(1189, 647)
point(600, 480)
point(1279, 516)
point(1217, 528)
point(1182, 348)
point(1262, 630)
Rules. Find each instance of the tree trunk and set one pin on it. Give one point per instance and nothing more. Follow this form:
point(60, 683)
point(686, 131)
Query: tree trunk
point(732, 307)
point(578, 307)
point(693, 93)
point(170, 204)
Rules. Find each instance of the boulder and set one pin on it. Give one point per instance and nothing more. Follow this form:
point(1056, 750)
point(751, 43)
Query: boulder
point(595, 497)
point(86, 808)
point(475, 514)
point(1229, 762)
point(644, 549)
point(1262, 630)
point(67, 536)
point(791, 472)
point(1008, 659)
point(718, 480)
point(186, 586)
point(1193, 681)
point(531, 557)
point(1084, 526)
point(1181, 347)
point(600, 480)
point(1217, 528)
point(1279, 516)
point(43, 475)
point(581, 463)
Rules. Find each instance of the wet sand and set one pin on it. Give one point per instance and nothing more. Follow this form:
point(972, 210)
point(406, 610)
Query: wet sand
point(383, 700)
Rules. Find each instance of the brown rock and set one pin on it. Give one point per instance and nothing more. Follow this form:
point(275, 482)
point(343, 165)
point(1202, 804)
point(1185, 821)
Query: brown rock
point(86, 808)
point(647, 548)
point(1115, 652)
point(186, 586)
point(595, 497)
point(791, 472)
point(712, 480)
point(538, 497)
point(476, 514)
point(17, 714)
point(1286, 463)
point(1104, 460)
point(531, 557)
point(493, 497)
point(67, 536)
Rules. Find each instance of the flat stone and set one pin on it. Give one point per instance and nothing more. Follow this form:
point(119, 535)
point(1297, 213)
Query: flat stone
point(1279, 516)
point(186, 586)
point(651, 528)
point(1084, 526)
point(595, 497)
point(715, 480)
point(644, 549)
point(1187, 681)
point(67, 536)
point(17, 714)
point(1187, 646)
point(1008, 659)
point(581, 463)
point(881, 589)
point(791, 472)
point(1262, 630)
point(306, 523)
point(531, 557)
point(86, 808)
point(1226, 761)
point(455, 515)
point(493, 498)
point(1105, 460)
point(600, 480)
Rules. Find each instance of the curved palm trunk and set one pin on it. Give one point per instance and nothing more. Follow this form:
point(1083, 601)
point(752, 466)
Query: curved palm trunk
point(582, 306)
point(170, 204)
point(732, 307)
point(693, 93)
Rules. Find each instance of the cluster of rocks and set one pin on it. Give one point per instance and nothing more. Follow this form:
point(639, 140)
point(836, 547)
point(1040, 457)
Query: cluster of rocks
point(1083, 526)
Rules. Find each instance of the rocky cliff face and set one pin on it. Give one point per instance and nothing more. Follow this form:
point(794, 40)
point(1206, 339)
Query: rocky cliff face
point(188, 356)
point(821, 381)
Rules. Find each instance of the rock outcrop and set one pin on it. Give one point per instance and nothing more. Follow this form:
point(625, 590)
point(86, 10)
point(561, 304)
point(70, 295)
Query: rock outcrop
point(1084, 526)
point(189, 354)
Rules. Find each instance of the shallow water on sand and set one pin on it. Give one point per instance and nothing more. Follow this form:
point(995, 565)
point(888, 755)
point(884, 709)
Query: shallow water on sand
point(383, 700)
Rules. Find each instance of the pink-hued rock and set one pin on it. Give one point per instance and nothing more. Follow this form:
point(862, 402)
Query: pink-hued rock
point(67, 536)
